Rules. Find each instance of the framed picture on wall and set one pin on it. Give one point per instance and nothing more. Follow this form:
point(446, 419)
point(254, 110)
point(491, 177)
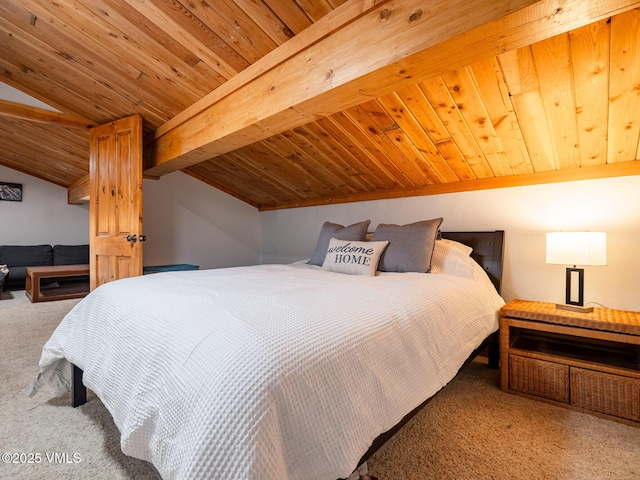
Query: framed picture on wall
point(11, 192)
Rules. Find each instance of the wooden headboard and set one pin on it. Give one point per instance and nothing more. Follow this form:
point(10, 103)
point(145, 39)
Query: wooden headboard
point(488, 249)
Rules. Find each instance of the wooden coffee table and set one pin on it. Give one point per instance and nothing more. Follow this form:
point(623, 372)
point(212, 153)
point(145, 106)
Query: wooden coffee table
point(36, 293)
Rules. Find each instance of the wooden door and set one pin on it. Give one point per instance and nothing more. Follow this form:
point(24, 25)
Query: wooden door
point(115, 197)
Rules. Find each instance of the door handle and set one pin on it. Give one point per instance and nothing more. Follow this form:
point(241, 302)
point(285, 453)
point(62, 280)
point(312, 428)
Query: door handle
point(143, 238)
point(132, 238)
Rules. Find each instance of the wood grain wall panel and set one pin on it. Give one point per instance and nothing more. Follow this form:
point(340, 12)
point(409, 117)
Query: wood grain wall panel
point(270, 24)
point(522, 80)
point(261, 159)
point(414, 155)
point(414, 142)
point(315, 9)
point(358, 144)
point(249, 177)
point(335, 155)
point(109, 54)
point(446, 153)
point(438, 95)
point(590, 57)
point(118, 44)
point(309, 175)
point(494, 93)
point(624, 124)
point(388, 134)
point(188, 32)
point(55, 153)
point(228, 178)
point(233, 26)
point(344, 148)
point(379, 150)
point(291, 14)
point(322, 163)
point(124, 15)
point(38, 64)
point(155, 43)
point(469, 104)
point(416, 101)
point(553, 65)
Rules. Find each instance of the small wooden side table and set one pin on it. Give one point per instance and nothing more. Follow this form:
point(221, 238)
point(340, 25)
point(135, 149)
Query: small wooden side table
point(588, 362)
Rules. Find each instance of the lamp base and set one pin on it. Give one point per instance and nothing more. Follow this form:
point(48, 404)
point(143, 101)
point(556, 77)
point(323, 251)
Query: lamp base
point(574, 308)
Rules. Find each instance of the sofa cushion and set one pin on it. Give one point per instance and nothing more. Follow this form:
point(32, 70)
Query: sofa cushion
point(70, 254)
point(19, 257)
point(26, 255)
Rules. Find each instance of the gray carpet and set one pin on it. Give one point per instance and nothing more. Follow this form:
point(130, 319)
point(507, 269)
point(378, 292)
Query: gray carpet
point(470, 430)
point(85, 439)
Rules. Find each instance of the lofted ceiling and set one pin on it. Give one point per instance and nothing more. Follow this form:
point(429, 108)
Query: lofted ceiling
point(285, 103)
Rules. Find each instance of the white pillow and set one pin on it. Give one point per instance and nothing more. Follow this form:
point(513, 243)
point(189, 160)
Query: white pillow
point(353, 258)
point(453, 245)
point(452, 258)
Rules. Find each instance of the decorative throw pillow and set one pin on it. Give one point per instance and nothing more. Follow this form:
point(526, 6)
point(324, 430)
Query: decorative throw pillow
point(354, 258)
point(410, 246)
point(356, 232)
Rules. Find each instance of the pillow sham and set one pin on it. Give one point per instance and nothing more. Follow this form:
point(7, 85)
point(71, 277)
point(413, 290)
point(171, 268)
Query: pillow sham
point(353, 258)
point(410, 246)
point(452, 258)
point(453, 245)
point(356, 232)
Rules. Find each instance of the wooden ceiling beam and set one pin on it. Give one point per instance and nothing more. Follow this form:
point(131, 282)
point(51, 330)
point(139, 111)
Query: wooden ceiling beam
point(78, 191)
point(40, 115)
point(361, 50)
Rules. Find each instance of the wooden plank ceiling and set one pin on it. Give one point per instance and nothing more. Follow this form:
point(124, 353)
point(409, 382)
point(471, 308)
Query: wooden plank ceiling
point(554, 98)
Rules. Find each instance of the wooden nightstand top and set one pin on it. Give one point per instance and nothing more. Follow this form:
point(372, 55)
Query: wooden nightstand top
point(606, 319)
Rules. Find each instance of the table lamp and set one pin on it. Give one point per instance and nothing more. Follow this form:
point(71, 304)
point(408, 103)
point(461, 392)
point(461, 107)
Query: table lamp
point(576, 248)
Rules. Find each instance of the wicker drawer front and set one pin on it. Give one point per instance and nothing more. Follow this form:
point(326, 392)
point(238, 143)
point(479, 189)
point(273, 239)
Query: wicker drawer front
point(540, 378)
point(606, 393)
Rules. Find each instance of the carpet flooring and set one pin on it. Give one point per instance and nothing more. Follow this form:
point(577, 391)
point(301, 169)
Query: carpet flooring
point(470, 430)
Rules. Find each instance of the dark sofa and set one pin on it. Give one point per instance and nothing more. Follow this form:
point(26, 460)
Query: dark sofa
point(19, 257)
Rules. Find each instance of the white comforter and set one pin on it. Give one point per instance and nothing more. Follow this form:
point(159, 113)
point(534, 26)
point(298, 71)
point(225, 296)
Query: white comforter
point(269, 372)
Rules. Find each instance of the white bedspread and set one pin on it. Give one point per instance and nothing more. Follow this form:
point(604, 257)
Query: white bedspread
point(269, 372)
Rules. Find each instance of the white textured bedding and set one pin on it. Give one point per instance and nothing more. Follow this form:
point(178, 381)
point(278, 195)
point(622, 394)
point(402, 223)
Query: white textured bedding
point(269, 372)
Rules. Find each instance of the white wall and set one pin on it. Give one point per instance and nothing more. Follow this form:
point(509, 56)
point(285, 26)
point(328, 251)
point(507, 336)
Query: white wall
point(43, 216)
point(525, 213)
point(187, 221)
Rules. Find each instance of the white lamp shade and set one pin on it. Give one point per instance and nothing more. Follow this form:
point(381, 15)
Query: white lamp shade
point(577, 248)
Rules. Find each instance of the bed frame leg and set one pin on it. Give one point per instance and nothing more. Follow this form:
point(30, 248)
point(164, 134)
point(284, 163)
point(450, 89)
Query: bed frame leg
point(494, 350)
point(78, 390)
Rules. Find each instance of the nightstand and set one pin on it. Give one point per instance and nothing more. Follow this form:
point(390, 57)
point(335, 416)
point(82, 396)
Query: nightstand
point(588, 362)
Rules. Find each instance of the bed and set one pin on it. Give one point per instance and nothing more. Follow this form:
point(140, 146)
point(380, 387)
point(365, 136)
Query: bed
point(299, 376)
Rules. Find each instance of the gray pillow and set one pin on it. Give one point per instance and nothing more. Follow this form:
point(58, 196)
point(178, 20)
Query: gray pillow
point(70, 254)
point(356, 232)
point(410, 246)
